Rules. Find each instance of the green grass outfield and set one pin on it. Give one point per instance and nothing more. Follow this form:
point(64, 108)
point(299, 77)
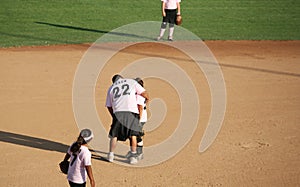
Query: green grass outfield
point(45, 22)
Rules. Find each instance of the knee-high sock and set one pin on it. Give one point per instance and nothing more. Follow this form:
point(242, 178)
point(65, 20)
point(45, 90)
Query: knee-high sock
point(139, 148)
point(163, 29)
point(171, 30)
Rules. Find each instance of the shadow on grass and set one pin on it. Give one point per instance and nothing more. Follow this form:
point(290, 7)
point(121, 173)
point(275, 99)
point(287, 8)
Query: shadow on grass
point(71, 27)
point(94, 30)
point(35, 38)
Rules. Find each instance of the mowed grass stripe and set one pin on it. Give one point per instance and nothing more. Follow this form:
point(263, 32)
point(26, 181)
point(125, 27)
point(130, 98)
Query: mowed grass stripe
point(44, 22)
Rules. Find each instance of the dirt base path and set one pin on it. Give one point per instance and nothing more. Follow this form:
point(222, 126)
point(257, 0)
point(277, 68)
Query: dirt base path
point(258, 145)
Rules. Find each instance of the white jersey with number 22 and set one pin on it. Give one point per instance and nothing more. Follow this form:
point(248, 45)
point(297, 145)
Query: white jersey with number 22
point(121, 96)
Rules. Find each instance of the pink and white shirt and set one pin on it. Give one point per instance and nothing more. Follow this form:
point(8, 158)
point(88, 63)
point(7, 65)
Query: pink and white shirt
point(171, 4)
point(121, 96)
point(77, 172)
point(142, 101)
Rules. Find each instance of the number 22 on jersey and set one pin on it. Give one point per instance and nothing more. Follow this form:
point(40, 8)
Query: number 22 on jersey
point(121, 90)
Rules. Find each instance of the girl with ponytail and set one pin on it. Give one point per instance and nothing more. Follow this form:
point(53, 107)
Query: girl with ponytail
point(80, 160)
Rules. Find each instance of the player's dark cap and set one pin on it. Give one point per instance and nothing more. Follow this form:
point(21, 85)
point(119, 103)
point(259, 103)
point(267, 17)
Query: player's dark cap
point(140, 81)
point(116, 77)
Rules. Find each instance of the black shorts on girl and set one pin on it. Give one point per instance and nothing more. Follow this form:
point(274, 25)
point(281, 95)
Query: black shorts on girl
point(170, 16)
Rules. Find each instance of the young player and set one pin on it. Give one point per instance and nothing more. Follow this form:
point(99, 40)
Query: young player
point(80, 160)
point(143, 119)
point(141, 102)
point(170, 8)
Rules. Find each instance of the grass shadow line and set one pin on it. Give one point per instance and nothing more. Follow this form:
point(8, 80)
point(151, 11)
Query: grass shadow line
point(94, 30)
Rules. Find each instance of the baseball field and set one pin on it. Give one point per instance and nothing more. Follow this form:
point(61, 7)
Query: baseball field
point(256, 45)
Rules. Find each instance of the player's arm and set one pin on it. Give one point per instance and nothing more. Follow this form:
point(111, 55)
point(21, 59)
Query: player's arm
point(178, 8)
point(90, 175)
point(145, 95)
point(141, 91)
point(163, 7)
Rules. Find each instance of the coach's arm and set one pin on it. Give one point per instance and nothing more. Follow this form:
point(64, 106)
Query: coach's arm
point(145, 95)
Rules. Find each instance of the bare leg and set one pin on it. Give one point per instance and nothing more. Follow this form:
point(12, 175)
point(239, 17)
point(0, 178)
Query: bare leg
point(133, 144)
point(112, 144)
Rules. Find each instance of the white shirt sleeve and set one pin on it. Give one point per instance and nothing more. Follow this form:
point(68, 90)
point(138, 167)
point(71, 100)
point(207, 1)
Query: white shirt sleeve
point(87, 159)
point(139, 89)
point(108, 99)
point(140, 100)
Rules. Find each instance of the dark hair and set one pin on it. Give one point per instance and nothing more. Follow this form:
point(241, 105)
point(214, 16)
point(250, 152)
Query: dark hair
point(116, 77)
point(76, 145)
point(140, 81)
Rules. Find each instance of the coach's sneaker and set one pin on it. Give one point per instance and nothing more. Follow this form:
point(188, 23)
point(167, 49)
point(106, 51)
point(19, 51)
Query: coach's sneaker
point(133, 160)
point(110, 157)
point(158, 38)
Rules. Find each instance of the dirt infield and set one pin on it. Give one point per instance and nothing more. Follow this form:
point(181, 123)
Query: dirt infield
point(258, 145)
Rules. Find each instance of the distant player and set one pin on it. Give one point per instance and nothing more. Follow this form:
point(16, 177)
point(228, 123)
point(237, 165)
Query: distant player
point(122, 105)
point(170, 8)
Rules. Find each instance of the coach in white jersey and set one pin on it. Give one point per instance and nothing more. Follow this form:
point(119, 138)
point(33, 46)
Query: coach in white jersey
point(122, 105)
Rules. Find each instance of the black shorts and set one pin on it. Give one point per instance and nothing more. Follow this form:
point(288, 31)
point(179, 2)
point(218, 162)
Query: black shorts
point(72, 184)
point(170, 16)
point(124, 125)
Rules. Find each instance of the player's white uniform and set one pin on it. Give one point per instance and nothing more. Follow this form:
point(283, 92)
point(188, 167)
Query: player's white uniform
point(142, 101)
point(171, 4)
point(121, 96)
point(77, 172)
point(169, 16)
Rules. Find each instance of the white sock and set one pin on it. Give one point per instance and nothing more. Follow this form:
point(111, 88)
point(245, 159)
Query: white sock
point(140, 143)
point(171, 31)
point(162, 32)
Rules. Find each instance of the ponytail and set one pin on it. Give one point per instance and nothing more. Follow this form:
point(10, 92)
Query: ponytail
point(76, 145)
